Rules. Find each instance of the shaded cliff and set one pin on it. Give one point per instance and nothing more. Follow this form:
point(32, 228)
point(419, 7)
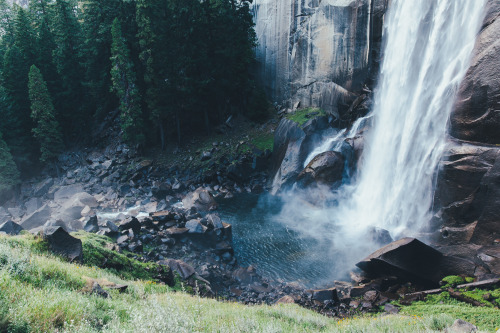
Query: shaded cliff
point(318, 52)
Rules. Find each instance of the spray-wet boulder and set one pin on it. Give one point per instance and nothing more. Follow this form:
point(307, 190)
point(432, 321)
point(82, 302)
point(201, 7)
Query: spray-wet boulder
point(410, 259)
point(326, 168)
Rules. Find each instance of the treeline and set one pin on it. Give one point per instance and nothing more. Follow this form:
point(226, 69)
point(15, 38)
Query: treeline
point(171, 67)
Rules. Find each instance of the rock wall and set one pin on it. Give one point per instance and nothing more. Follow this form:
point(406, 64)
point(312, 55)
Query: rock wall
point(318, 51)
point(468, 184)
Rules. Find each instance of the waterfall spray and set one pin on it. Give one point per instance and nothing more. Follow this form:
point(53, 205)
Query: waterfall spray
point(428, 48)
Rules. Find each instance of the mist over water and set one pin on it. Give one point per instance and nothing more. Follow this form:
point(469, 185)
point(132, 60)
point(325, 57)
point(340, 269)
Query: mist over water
point(427, 52)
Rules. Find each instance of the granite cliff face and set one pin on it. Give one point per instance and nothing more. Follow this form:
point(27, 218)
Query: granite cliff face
point(318, 51)
point(468, 185)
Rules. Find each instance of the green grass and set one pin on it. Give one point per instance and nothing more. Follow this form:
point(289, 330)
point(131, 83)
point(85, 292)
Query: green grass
point(303, 115)
point(40, 292)
point(485, 318)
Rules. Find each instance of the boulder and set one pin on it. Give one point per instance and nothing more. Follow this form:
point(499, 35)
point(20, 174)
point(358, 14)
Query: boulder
point(461, 326)
point(326, 168)
point(33, 205)
point(201, 199)
point(292, 145)
point(66, 192)
point(130, 223)
point(195, 227)
point(62, 243)
point(11, 228)
point(185, 271)
point(90, 224)
point(43, 187)
point(476, 115)
point(72, 208)
point(323, 295)
point(38, 218)
point(412, 260)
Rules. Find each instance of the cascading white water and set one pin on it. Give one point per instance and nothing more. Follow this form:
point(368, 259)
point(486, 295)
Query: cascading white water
point(428, 48)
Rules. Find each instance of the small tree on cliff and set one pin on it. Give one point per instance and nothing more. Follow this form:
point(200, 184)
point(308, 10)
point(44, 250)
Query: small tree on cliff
point(125, 87)
point(47, 130)
point(9, 175)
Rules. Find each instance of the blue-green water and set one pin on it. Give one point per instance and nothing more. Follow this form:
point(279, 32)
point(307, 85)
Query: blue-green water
point(262, 240)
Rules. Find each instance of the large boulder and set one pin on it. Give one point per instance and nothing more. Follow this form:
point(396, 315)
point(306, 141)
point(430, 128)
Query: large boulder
point(412, 260)
point(71, 209)
point(201, 199)
point(66, 192)
point(326, 168)
point(184, 270)
point(476, 115)
point(33, 205)
point(292, 145)
point(62, 243)
point(43, 187)
point(11, 228)
point(37, 218)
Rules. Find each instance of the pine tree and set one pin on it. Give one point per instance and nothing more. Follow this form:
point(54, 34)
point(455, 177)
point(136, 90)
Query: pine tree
point(68, 39)
point(47, 130)
point(9, 175)
point(125, 87)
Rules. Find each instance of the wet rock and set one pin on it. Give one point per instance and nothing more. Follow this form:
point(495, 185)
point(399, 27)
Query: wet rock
point(461, 326)
point(62, 243)
point(11, 228)
point(215, 221)
point(410, 259)
point(380, 236)
point(476, 114)
point(245, 275)
point(176, 232)
point(326, 168)
point(111, 226)
point(90, 224)
point(130, 223)
point(38, 218)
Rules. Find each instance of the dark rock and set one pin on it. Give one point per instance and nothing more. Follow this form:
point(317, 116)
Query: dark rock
point(205, 156)
point(112, 226)
point(380, 236)
point(62, 243)
point(392, 309)
point(164, 215)
point(185, 271)
point(325, 295)
point(245, 275)
point(195, 227)
point(97, 290)
point(326, 168)
point(412, 260)
point(131, 223)
point(43, 187)
point(90, 224)
point(11, 228)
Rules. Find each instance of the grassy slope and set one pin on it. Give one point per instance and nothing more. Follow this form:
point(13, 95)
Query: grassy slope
point(40, 292)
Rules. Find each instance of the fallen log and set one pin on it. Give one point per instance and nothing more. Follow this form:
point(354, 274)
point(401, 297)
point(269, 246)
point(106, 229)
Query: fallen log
point(478, 284)
point(459, 296)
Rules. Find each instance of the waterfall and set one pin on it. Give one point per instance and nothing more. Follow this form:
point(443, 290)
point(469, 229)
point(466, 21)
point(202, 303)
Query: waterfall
point(428, 44)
